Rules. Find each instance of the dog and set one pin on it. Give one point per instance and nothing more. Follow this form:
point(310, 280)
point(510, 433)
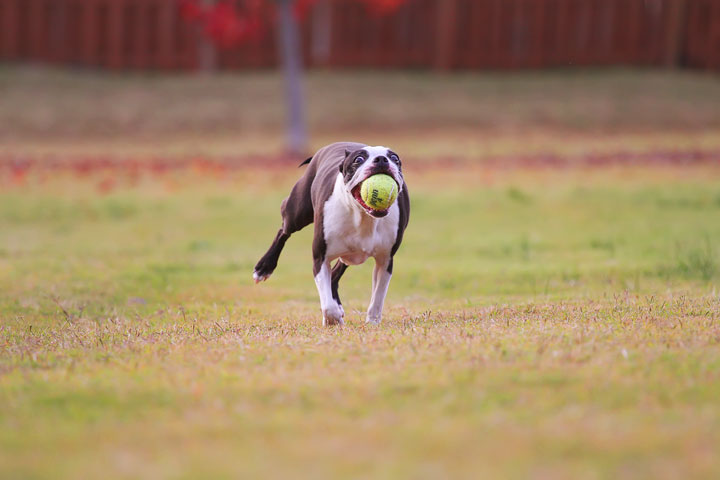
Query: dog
point(346, 229)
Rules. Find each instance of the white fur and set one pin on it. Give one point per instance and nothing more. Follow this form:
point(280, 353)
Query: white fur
point(260, 278)
point(332, 311)
point(353, 236)
point(381, 282)
point(376, 151)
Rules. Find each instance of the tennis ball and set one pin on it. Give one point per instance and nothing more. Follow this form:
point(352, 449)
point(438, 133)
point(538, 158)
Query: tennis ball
point(379, 191)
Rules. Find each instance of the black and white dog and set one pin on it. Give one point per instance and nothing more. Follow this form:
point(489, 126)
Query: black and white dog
point(345, 227)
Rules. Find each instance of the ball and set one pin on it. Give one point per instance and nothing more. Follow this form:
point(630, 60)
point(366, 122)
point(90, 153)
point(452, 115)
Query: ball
point(379, 191)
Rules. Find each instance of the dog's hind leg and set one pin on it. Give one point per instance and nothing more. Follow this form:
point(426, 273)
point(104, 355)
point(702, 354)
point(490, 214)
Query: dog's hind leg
point(266, 265)
point(297, 213)
point(337, 273)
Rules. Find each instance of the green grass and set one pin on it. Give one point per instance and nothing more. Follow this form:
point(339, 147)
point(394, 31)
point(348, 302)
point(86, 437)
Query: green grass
point(542, 323)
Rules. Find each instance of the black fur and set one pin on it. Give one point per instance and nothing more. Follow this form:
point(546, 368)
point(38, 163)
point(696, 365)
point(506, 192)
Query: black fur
point(267, 264)
point(337, 273)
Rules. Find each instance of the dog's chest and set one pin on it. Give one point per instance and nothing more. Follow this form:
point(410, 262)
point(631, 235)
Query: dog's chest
point(354, 236)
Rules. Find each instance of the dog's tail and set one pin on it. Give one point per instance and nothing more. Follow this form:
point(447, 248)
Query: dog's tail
point(305, 162)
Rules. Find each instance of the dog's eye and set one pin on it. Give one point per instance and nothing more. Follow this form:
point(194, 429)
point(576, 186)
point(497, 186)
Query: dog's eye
point(395, 158)
point(358, 160)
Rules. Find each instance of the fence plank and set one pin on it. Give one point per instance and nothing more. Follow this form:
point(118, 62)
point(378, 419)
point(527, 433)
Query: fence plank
point(439, 34)
point(10, 22)
point(538, 44)
point(446, 20)
point(141, 44)
point(114, 33)
point(713, 43)
point(167, 17)
point(562, 35)
point(89, 37)
point(36, 33)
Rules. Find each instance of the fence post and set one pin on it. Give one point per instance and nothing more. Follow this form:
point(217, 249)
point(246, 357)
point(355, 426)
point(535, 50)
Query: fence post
point(165, 33)
point(58, 32)
point(321, 33)
point(9, 29)
point(677, 11)
point(115, 34)
point(713, 56)
point(446, 21)
point(38, 45)
point(140, 53)
point(89, 34)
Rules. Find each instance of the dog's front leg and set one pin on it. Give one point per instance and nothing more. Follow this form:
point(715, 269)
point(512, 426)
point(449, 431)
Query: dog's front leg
point(380, 284)
point(332, 311)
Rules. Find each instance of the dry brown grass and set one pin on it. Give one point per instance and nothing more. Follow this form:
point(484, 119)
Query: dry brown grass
point(541, 323)
point(624, 386)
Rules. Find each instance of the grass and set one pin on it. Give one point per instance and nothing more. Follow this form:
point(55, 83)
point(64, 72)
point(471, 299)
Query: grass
point(542, 322)
point(76, 104)
point(564, 332)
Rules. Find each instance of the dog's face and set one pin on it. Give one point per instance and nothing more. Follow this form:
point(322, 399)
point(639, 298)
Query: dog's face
point(366, 162)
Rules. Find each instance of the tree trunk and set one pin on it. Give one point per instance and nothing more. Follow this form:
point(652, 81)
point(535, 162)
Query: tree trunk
point(675, 35)
point(290, 55)
point(207, 54)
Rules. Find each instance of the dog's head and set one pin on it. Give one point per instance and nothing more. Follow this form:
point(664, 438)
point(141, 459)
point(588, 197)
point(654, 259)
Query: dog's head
point(366, 162)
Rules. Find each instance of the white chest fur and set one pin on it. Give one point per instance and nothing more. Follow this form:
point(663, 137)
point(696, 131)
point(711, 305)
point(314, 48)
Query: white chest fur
point(351, 234)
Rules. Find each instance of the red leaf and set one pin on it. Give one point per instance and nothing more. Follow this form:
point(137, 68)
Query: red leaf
point(227, 28)
point(191, 11)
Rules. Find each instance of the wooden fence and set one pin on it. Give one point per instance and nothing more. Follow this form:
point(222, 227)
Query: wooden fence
point(441, 34)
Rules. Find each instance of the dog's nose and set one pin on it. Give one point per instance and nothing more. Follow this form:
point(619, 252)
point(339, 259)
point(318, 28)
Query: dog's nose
point(381, 160)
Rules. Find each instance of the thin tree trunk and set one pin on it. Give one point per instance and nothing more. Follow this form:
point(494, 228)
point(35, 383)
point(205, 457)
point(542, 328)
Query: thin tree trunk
point(207, 54)
point(675, 34)
point(290, 54)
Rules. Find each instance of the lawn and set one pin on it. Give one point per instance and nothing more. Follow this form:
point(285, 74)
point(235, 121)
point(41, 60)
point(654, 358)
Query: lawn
point(530, 330)
point(543, 321)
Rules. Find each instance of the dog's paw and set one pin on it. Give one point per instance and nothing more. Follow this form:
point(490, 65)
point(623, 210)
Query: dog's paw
point(333, 315)
point(373, 318)
point(260, 277)
point(264, 268)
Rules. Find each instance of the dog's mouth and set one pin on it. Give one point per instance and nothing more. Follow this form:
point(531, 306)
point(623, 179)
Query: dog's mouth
point(358, 196)
point(369, 210)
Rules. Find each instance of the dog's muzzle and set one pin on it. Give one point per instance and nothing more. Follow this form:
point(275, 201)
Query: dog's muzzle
point(375, 170)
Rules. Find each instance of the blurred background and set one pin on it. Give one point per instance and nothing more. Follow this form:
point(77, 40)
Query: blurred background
point(414, 42)
point(554, 306)
point(418, 34)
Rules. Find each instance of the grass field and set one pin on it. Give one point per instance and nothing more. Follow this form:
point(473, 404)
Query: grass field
point(542, 322)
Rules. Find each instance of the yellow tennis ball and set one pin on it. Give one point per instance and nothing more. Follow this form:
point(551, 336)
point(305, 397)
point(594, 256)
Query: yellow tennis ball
point(379, 191)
